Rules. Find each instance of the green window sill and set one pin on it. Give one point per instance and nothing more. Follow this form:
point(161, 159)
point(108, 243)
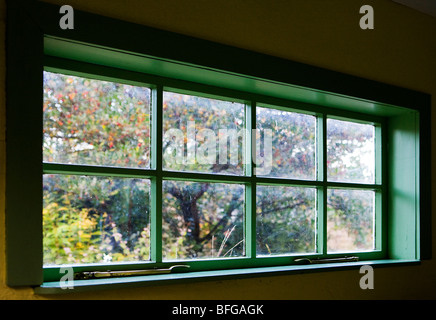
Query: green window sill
point(164, 279)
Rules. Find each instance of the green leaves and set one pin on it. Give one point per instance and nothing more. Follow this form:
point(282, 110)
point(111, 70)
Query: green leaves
point(95, 219)
point(95, 122)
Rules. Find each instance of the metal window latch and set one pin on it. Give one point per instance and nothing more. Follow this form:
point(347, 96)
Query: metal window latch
point(111, 274)
point(328, 260)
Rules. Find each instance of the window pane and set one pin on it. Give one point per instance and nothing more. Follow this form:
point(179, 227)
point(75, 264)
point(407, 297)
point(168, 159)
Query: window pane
point(202, 134)
point(350, 152)
point(292, 151)
point(285, 220)
point(93, 122)
point(95, 219)
point(202, 220)
point(350, 220)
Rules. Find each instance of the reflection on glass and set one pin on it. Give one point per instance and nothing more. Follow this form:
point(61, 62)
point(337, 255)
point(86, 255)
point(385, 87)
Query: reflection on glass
point(93, 122)
point(202, 220)
point(350, 220)
point(350, 152)
point(293, 143)
point(95, 219)
point(285, 220)
point(202, 134)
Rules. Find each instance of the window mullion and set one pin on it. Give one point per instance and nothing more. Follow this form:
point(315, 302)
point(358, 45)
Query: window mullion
point(380, 195)
point(250, 192)
point(156, 184)
point(322, 190)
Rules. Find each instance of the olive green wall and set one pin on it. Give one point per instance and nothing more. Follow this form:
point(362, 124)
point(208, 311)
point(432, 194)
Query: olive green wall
point(401, 51)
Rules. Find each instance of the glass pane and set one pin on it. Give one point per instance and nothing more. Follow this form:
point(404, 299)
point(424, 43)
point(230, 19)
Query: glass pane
point(285, 220)
point(202, 134)
point(350, 220)
point(292, 151)
point(350, 152)
point(202, 220)
point(95, 219)
point(93, 122)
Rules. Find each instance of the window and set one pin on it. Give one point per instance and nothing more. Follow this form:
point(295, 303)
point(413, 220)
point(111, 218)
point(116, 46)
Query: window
point(154, 157)
point(225, 191)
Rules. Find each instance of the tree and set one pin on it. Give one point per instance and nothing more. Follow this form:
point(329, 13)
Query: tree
point(95, 219)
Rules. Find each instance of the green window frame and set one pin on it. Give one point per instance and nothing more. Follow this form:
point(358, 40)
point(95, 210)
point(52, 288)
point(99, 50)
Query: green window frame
point(400, 116)
point(157, 174)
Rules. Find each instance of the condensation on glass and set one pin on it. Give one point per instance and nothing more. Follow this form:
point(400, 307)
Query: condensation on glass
point(285, 220)
point(94, 122)
point(95, 219)
point(202, 220)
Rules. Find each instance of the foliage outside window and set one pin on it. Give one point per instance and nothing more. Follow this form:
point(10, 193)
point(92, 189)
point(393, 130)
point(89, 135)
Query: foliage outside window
point(313, 175)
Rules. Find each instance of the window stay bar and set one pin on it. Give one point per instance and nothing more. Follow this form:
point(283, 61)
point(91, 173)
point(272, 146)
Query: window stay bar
point(111, 274)
point(328, 260)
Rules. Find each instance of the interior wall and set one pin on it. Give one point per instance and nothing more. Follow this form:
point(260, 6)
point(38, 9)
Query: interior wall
point(401, 51)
